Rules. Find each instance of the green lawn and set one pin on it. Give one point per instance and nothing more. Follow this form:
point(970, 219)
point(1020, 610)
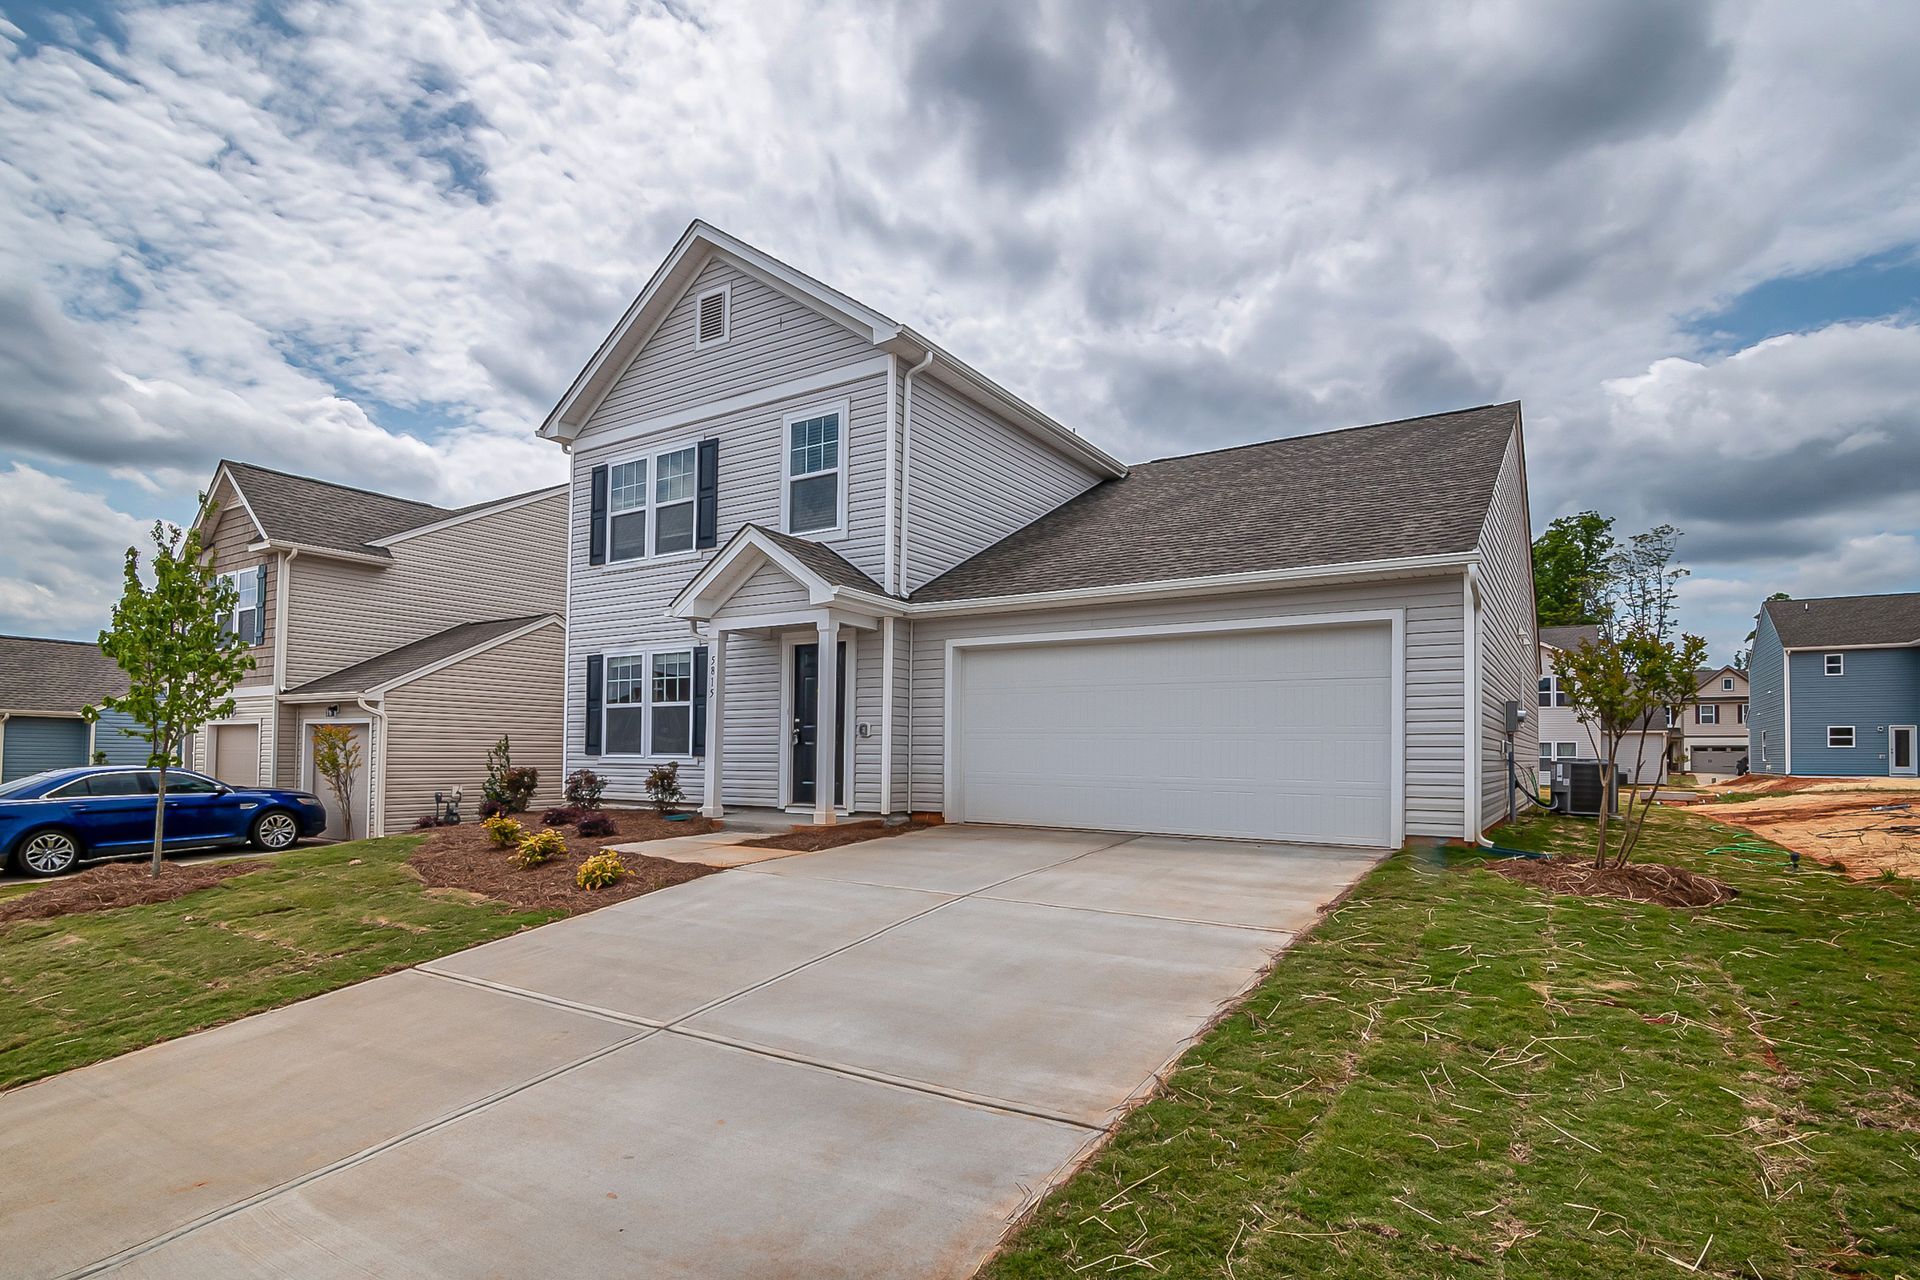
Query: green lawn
point(1457, 1076)
point(80, 988)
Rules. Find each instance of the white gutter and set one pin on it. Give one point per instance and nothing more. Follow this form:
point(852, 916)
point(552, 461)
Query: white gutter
point(887, 655)
point(893, 469)
point(899, 586)
point(1786, 709)
point(1470, 810)
point(376, 772)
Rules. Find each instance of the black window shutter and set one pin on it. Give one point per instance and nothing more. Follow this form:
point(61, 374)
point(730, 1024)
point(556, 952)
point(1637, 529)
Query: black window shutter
point(706, 507)
point(700, 701)
point(594, 668)
point(259, 604)
point(597, 535)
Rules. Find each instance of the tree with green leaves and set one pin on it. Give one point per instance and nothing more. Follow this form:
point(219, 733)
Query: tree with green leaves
point(336, 757)
point(181, 657)
point(1572, 569)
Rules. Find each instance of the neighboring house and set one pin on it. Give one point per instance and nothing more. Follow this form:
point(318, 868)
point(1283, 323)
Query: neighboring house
point(1836, 687)
point(44, 687)
point(1308, 639)
point(429, 632)
point(1713, 731)
point(1565, 736)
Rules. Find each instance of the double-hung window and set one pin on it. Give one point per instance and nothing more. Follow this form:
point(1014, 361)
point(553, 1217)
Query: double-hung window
point(648, 704)
point(814, 499)
point(653, 493)
point(1708, 713)
point(1740, 713)
point(1551, 751)
point(244, 621)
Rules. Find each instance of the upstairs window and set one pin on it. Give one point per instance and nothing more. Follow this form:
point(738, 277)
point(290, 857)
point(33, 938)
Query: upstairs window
point(244, 621)
point(1836, 664)
point(1740, 713)
point(1551, 694)
point(1726, 682)
point(658, 493)
point(1707, 713)
point(627, 510)
point(713, 318)
point(814, 499)
point(673, 502)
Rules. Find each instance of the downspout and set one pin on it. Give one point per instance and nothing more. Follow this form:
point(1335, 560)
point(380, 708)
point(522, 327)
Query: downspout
point(888, 661)
point(906, 476)
point(1470, 647)
point(376, 769)
point(280, 608)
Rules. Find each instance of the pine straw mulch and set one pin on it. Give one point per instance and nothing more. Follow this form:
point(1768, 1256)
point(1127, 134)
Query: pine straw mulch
point(465, 858)
point(121, 884)
point(811, 839)
point(1654, 882)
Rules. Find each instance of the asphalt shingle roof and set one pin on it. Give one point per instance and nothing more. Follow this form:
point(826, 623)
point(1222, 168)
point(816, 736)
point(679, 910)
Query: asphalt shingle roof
point(1420, 486)
point(1569, 637)
point(1842, 620)
point(319, 513)
point(55, 675)
point(412, 657)
point(825, 561)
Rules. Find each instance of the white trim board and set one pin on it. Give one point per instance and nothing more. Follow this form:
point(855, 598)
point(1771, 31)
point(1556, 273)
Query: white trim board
point(789, 642)
point(953, 802)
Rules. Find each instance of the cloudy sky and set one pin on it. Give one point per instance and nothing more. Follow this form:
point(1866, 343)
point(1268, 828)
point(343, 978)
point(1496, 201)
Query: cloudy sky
point(373, 241)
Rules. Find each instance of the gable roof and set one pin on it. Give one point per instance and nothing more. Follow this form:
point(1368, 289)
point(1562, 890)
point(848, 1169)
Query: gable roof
point(1570, 637)
point(395, 666)
point(320, 515)
point(827, 576)
point(55, 675)
point(835, 568)
point(1394, 490)
point(700, 242)
point(1847, 620)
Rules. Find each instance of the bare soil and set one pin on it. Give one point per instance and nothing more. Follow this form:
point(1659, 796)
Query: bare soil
point(1862, 832)
point(1654, 882)
point(465, 858)
point(810, 839)
point(121, 884)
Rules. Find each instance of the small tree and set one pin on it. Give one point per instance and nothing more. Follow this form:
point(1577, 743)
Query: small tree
point(663, 786)
point(182, 661)
point(336, 757)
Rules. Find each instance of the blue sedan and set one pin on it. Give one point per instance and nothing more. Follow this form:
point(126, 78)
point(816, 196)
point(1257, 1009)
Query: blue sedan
point(52, 821)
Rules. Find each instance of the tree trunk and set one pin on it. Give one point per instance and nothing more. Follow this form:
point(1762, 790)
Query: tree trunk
point(159, 821)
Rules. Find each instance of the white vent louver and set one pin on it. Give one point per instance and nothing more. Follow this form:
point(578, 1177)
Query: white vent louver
point(713, 318)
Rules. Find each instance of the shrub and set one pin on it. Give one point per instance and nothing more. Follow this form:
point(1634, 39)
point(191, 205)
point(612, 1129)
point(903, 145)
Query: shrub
point(425, 822)
point(541, 846)
point(493, 808)
point(596, 824)
point(559, 817)
point(599, 871)
point(663, 786)
point(520, 783)
point(499, 760)
point(584, 788)
point(503, 831)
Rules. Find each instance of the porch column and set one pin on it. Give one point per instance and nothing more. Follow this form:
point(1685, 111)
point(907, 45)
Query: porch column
point(826, 754)
point(716, 721)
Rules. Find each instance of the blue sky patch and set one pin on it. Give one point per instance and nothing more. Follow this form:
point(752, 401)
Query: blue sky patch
point(1886, 284)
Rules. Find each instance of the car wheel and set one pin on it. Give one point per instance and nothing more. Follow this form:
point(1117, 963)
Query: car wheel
point(47, 853)
point(274, 830)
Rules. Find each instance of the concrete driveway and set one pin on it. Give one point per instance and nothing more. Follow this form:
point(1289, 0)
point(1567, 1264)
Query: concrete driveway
point(863, 1062)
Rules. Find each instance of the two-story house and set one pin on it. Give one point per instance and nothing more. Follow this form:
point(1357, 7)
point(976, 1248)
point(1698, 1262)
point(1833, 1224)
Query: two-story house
point(785, 501)
point(1713, 731)
point(1565, 735)
point(428, 632)
point(1836, 687)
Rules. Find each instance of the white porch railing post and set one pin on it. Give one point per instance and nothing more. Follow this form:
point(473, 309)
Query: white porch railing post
point(716, 722)
point(826, 755)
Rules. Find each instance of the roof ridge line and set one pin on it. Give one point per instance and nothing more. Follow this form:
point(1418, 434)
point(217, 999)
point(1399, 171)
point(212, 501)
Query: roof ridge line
point(1333, 431)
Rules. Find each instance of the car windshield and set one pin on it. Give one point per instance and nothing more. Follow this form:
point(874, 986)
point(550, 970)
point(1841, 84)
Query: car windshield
point(24, 786)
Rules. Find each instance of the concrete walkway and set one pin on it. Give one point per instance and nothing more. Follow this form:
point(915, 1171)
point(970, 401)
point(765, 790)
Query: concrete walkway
point(857, 1063)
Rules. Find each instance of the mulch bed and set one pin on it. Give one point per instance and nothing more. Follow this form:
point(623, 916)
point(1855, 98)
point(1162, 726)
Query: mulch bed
point(1654, 882)
point(814, 839)
point(121, 884)
point(463, 857)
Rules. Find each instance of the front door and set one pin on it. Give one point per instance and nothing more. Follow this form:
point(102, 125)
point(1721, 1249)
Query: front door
point(806, 722)
point(1901, 751)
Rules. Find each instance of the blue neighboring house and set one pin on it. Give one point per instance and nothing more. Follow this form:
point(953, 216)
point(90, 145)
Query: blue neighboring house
point(1836, 687)
point(44, 685)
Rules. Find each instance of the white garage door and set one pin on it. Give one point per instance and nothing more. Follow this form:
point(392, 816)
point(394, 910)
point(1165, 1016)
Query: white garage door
point(1278, 735)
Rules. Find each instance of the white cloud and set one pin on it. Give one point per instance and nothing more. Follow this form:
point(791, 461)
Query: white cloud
point(62, 554)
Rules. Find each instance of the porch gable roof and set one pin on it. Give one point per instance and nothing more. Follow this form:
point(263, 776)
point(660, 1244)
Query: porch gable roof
point(827, 577)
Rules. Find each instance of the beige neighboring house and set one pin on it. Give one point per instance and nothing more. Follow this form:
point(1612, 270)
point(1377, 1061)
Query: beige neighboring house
point(428, 632)
point(1713, 732)
point(1565, 736)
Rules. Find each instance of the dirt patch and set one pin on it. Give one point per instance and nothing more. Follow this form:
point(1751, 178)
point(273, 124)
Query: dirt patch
point(1864, 832)
point(1654, 882)
point(464, 858)
point(814, 839)
point(121, 884)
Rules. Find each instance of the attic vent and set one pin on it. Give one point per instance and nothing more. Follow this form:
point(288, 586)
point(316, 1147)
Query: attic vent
point(714, 318)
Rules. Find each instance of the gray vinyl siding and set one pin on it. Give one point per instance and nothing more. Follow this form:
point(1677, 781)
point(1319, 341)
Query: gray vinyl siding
point(35, 743)
point(775, 339)
point(1508, 642)
point(441, 726)
point(1435, 690)
point(111, 735)
point(1879, 687)
point(226, 539)
point(1766, 710)
point(768, 590)
point(503, 565)
point(974, 478)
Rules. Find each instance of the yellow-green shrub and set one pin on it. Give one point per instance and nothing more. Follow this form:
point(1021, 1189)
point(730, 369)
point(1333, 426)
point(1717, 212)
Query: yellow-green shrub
point(541, 846)
point(599, 871)
point(503, 831)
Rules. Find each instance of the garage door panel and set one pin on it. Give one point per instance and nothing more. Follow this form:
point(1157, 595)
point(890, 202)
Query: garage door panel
point(1276, 735)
